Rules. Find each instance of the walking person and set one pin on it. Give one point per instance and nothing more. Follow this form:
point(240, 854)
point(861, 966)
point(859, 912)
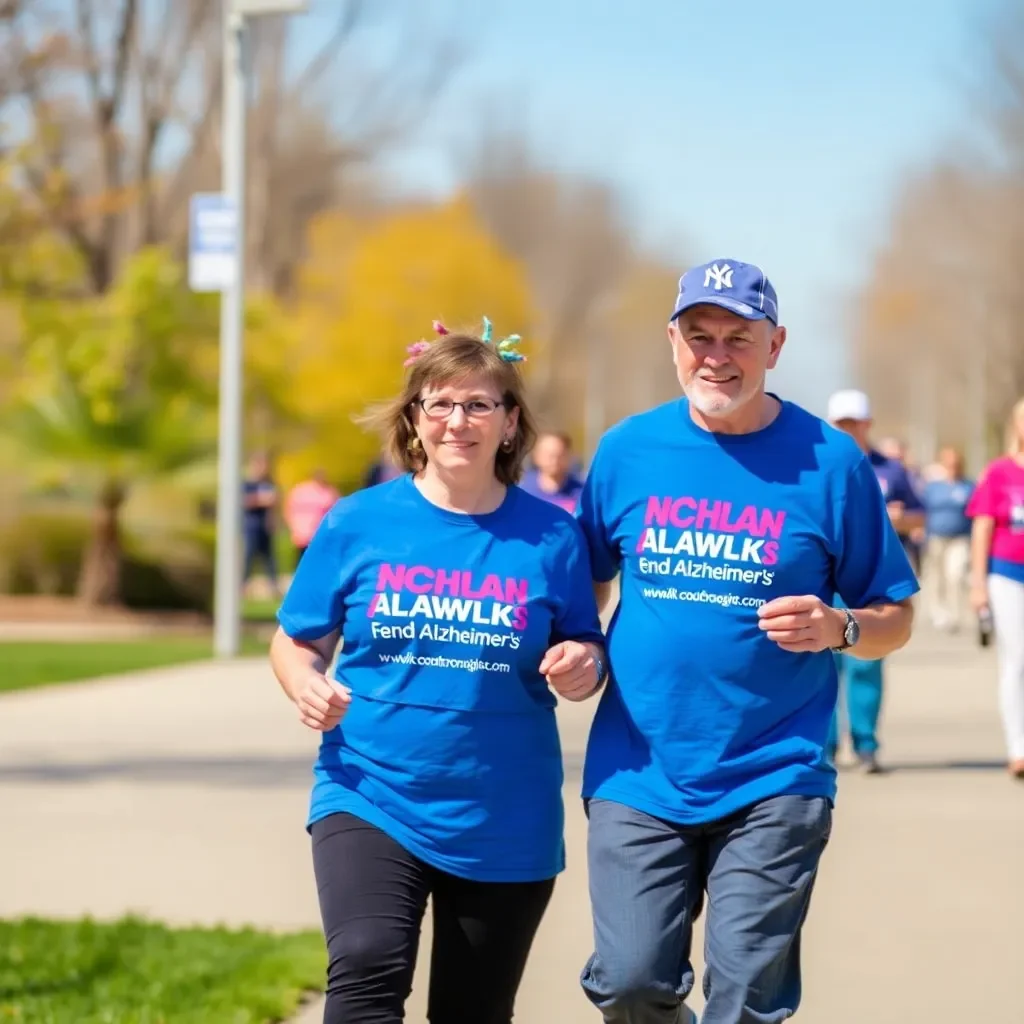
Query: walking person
point(305, 507)
point(732, 517)
point(460, 600)
point(259, 507)
point(997, 576)
point(948, 540)
point(552, 477)
point(863, 680)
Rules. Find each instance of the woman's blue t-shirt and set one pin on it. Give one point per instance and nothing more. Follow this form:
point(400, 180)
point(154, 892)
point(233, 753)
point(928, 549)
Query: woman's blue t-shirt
point(450, 744)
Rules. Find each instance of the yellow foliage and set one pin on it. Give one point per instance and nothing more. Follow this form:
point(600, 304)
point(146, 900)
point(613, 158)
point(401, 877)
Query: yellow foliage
point(367, 291)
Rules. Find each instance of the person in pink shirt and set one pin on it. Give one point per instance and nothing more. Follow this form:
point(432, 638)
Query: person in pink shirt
point(997, 575)
point(307, 503)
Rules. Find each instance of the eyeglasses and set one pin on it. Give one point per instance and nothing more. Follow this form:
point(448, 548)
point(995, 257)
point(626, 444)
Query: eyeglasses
point(442, 408)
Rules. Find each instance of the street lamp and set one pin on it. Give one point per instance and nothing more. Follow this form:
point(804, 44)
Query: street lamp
point(228, 580)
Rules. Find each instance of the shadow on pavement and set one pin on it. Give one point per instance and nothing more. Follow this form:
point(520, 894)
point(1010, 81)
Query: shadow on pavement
point(952, 765)
point(252, 772)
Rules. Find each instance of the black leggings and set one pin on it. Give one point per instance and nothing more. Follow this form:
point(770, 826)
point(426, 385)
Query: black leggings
point(373, 894)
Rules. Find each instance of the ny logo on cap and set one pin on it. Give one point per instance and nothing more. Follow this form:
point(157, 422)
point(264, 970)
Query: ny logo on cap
point(721, 276)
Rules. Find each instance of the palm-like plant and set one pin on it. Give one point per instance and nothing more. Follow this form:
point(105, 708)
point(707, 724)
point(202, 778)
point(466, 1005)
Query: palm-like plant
point(119, 389)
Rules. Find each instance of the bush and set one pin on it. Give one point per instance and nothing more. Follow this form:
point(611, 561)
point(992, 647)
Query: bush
point(169, 572)
point(41, 552)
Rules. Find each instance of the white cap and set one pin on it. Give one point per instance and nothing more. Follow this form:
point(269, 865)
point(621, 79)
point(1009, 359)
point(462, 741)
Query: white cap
point(849, 405)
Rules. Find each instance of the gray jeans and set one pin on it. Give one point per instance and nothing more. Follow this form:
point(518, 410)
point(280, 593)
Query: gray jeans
point(647, 883)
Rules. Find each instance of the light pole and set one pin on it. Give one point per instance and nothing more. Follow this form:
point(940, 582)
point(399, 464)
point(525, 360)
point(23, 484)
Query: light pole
point(228, 579)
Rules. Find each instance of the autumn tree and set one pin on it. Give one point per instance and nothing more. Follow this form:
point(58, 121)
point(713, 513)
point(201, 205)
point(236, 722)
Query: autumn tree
point(370, 289)
point(936, 329)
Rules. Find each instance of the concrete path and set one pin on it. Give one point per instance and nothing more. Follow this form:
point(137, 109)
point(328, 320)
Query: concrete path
point(181, 794)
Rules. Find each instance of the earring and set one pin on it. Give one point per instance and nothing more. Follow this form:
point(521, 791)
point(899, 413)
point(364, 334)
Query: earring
point(414, 444)
point(507, 444)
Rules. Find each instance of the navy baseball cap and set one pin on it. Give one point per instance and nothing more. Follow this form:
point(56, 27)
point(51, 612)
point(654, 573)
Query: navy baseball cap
point(741, 288)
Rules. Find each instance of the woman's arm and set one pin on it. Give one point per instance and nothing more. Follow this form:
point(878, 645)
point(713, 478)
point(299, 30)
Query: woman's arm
point(982, 529)
point(301, 669)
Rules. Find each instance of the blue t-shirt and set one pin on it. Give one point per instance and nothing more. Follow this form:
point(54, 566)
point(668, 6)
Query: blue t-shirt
point(567, 495)
point(894, 480)
point(450, 744)
point(256, 520)
point(704, 714)
point(945, 505)
point(896, 485)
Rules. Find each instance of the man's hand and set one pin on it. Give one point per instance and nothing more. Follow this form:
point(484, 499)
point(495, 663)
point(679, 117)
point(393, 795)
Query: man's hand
point(571, 669)
point(803, 624)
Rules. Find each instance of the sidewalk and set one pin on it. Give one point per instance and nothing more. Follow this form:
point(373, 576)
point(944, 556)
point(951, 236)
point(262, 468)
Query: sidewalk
point(181, 794)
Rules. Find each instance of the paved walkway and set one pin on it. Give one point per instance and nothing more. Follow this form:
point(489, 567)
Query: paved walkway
point(181, 794)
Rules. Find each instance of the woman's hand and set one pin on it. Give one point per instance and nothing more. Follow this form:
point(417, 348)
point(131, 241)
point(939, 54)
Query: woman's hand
point(571, 669)
point(322, 702)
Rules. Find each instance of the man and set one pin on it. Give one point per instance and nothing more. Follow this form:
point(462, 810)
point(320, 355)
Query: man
point(896, 451)
point(552, 477)
point(305, 507)
point(850, 411)
point(733, 518)
point(259, 500)
point(948, 539)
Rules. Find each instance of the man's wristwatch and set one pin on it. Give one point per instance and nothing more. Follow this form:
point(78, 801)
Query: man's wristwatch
point(851, 632)
point(602, 671)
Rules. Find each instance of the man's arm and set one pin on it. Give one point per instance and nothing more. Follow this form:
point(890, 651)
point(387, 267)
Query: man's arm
point(603, 594)
point(806, 624)
point(904, 520)
point(884, 628)
point(906, 510)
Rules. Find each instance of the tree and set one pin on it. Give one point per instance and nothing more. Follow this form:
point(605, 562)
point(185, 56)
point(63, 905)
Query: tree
point(117, 388)
point(367, 291)
point(938, 320)
point(118, 104)
point(569, 234)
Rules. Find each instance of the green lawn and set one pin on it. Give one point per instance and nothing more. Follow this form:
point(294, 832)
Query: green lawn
point(135, 972)
point(260, 611)
point(32, 663)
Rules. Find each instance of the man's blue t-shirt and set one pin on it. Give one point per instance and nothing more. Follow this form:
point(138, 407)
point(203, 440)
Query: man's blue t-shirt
point(894, 481)
point(450, 744)
point(945, 506)
point(256, 520)
point(704, 714)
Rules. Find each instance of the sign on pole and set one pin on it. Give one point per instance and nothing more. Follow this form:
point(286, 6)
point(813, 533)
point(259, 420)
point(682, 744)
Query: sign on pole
point(213, 243)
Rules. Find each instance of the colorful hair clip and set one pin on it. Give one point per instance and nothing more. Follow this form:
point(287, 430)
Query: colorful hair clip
point(505, 348)
point(418, 348)
point(415, 351)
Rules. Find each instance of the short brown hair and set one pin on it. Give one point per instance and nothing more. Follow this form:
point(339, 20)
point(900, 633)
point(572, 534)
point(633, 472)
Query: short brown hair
point(450, 359)
point(558, 435)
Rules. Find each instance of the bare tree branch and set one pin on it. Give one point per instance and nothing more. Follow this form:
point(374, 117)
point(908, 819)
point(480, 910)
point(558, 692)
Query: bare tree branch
point(350, 17)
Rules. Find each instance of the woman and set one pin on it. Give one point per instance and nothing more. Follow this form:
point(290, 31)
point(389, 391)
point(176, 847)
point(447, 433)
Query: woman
point(948, 531)
point(458, 598)
point(997, 575)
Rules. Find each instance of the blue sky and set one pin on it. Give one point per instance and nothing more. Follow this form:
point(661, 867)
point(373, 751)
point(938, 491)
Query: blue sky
point(775, 133)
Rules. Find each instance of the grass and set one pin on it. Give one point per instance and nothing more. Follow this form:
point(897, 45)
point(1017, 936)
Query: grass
point(260, 610)
point(136, 972)
point(30, 663)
